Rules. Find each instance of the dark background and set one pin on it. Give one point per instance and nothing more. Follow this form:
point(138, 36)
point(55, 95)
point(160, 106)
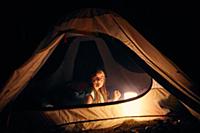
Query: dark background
point(171, 27)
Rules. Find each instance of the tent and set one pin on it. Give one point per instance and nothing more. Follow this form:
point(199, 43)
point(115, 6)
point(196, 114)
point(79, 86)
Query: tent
point(85, 40)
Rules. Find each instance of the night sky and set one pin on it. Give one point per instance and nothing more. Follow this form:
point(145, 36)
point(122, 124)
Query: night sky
point(173, 28)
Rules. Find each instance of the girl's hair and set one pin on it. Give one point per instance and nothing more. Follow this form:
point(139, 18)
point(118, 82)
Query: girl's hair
point(104, 92)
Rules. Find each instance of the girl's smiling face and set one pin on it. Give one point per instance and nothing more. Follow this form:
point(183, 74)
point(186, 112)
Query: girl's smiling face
point(98, 80)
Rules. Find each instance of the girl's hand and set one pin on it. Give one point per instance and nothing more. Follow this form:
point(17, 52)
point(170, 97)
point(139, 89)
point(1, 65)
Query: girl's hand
point(116, 95)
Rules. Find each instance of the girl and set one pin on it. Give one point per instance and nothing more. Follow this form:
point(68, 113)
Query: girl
point(99, 93)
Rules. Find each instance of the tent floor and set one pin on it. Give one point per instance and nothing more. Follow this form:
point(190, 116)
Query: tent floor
point(153, 126)
point(167, 125)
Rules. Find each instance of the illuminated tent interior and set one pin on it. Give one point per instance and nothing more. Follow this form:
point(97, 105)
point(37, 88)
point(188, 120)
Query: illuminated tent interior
point(50, 83)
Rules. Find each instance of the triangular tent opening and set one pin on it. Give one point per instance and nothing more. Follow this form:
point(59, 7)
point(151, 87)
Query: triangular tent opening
point(90, 39)
point(71, 64)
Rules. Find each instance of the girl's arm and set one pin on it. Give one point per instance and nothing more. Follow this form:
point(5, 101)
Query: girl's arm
point(89, 99)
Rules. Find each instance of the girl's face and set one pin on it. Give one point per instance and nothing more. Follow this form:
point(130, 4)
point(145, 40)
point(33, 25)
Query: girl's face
point(98, 80)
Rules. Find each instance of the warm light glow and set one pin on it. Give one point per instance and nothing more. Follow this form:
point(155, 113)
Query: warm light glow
point(131, 108)
point(146, 105)
point(128, 95)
